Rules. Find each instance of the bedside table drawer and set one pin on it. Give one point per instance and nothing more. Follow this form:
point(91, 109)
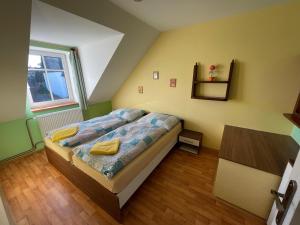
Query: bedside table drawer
point(189, 141)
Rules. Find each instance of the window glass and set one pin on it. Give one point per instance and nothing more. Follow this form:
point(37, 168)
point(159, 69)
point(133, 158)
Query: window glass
point(35, 62)
point(48, 79)
point(38, 86)
point(53, 63)
point(58, 85)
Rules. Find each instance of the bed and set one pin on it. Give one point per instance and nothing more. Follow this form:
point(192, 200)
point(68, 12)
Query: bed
point(91, 129)
point(111, 194)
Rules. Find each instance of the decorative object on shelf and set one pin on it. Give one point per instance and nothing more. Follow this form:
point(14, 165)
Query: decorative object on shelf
point(197, 83)
point(173, 82)
point(295, 116)
point(155, 75)
point(212, 72)
point(140, 89)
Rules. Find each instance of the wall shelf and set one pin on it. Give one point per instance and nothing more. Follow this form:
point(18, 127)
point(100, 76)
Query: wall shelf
point(210, 98)
point(291, 117)
point(196, 83)
point(211, 82)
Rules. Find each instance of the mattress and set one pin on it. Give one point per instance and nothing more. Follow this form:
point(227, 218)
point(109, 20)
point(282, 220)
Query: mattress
point(126, 175)
point(65, 152)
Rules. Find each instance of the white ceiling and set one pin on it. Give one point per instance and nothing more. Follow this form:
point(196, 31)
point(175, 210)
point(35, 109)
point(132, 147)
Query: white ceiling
point(96, 43)
point(170, 14)
point(53, 25)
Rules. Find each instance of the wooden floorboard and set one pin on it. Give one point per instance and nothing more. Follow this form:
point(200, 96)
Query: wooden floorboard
point(178, 192)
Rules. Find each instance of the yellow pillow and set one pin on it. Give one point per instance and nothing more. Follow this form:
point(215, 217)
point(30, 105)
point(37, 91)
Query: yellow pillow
point(64, 133)
point(106, 147)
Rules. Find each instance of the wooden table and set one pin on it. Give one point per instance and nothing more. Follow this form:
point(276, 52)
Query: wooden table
point(251, 163)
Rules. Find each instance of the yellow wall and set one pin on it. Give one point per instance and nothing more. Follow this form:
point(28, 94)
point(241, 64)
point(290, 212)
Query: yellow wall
point(266, 44)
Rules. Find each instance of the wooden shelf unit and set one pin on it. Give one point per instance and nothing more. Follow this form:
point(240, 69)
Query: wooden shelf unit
point(291, 117)
point(210, 98)
point(211, 82)
point(196, 83)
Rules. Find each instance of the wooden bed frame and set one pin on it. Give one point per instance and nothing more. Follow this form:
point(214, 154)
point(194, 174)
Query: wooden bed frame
point(108, 201)
point(103, 197)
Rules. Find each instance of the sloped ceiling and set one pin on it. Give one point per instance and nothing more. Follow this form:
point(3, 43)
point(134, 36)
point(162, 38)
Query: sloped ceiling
point(15, 26)
point(94, 60)
point(54, 25)
point(96, 43)
point(138, 37)
point(15, 30)
point(170, 14)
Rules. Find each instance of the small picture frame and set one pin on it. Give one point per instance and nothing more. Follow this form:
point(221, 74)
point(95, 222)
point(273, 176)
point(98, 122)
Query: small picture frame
point(140, 89)
point(155, 75)
point(173, 82)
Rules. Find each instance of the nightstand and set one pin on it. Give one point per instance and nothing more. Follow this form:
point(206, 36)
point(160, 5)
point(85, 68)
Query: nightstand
point(190, 141)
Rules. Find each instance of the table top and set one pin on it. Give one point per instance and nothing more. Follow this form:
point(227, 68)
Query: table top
point(191, 134)
point(265, 151)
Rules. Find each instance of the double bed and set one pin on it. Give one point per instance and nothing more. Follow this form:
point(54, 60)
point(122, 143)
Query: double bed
point(91, 129)
point(113, 191)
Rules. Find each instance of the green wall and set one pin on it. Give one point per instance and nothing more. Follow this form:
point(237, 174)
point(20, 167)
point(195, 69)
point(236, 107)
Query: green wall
point(14, 138)
point(296, 134)
point(97, 109)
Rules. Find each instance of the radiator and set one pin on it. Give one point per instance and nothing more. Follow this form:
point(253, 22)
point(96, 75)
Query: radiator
point(51, 121)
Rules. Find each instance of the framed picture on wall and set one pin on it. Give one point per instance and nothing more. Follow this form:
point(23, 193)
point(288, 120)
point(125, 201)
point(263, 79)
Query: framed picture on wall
point(173, 82)
point(155, 75)
point(140, 89)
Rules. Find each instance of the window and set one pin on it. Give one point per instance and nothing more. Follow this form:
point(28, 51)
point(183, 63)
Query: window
point(49, 82)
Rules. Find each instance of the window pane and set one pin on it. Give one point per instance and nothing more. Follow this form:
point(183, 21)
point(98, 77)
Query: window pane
point(38, 86)
point(53, 63)
point(58, 85)
point(35, 62)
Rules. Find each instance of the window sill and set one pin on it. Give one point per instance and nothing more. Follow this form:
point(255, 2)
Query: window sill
point(53, 106)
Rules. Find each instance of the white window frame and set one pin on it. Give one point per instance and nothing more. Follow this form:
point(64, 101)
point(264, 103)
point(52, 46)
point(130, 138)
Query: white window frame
point(66, 69)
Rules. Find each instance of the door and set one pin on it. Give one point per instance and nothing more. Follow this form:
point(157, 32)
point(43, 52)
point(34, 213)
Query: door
point(291, 173)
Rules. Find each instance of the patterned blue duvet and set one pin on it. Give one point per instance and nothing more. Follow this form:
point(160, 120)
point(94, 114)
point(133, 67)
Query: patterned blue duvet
point(91, 129)
point(94, 128)
point(134, 139)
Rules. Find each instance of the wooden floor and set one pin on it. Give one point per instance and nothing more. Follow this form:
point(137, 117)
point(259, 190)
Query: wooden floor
point(178, 192)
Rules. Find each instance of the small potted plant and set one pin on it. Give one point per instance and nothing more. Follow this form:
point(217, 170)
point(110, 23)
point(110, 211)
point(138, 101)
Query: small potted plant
point(212, 72)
